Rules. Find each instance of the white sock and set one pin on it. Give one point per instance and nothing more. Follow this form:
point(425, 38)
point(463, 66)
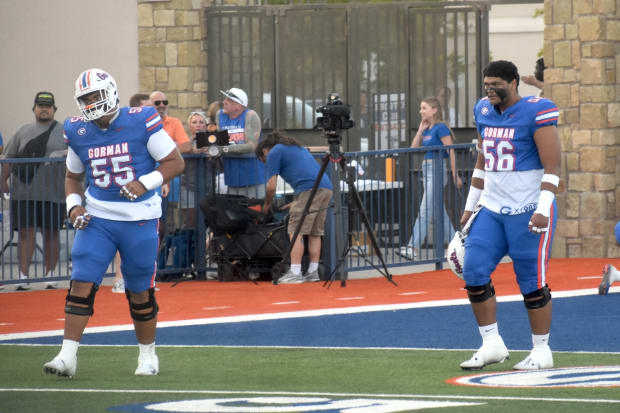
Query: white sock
point(69, 349)
point(147, 348)
point(541, 340)
point(313, 266)
point(296, 269)
point(489, 332)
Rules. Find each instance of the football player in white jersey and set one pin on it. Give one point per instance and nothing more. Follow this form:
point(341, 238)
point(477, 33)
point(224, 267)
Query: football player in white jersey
point(515, 181)
point(116, 151)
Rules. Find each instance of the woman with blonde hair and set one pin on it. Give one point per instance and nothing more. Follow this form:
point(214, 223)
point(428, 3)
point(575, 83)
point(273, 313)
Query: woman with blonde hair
point(433, 131)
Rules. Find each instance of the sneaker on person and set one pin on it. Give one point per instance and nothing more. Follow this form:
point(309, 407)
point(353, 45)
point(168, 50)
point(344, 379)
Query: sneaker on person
point(119, 287)
point(539, 358)
point(148, 365)
point(491, 351)
point(609, 276)
point(290, 278)
point(312, 277)
point(407, 253)
point(50, 285)
point(60, 367)
point(22, 286)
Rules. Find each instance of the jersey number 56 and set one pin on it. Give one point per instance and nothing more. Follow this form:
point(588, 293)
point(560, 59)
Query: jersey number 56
point(498, 155)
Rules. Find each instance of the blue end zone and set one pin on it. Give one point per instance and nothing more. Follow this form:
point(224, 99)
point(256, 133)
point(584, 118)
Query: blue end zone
point(588, 323)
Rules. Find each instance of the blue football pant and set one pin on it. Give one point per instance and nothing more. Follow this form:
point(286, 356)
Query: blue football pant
point(94, 248)
point(492, 236)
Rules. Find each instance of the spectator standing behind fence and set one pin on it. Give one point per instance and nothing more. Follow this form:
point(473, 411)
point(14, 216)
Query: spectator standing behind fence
point(284, 156)
point(116, 150)
point(36, 190)
point(243, 176)
point(538, 79)
point(514, 181)
point(196, 122)
point(136, 100)
point(432, 131)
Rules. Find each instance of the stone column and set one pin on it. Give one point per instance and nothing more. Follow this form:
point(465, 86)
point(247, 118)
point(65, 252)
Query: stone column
point(582, 53)
point(172, 54)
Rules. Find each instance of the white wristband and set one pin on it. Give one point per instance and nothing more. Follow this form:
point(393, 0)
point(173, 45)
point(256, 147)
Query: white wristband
point(551, 179)
point(478, 173)
point(472, 198)
point(73, 200)
point(544, 203)
point(152, 180)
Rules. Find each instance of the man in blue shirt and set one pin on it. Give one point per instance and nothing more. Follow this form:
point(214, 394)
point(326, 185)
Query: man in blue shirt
point(242, 175)
point(284, 156)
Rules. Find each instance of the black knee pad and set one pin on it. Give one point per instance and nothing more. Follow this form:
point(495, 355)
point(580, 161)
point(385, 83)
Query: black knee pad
point(480, 293)
point(89, 302)
point(150, 304)
point(538, 298)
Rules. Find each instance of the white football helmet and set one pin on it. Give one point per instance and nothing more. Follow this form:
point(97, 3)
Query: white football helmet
point(96, 80)
point(456, 254)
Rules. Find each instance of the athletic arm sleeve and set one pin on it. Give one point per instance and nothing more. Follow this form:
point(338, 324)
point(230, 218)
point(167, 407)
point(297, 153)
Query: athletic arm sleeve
point(73, 162)
point(160, 144)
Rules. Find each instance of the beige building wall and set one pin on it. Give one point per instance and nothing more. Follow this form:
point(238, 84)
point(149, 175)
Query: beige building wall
point(517, 36)
point(47, 44)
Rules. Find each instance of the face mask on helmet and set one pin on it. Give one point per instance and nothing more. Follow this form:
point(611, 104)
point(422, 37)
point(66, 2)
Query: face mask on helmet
point(96, 94)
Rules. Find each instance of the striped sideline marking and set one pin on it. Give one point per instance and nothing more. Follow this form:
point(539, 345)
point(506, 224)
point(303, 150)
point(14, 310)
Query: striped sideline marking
point(267, 393)
point(297, 314)
point(300, 347)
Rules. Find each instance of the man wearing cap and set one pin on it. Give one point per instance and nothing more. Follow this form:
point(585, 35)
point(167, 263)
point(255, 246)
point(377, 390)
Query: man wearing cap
point(37, 191)
point(242, 175)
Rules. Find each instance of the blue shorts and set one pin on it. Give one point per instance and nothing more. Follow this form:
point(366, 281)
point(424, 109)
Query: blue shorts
point(492, 236)
point(94, 248)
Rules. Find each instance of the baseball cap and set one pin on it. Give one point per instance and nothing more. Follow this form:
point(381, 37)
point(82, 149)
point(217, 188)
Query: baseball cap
point(236, 95)
point(44, 98)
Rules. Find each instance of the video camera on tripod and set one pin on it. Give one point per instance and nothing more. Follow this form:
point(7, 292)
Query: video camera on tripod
point(336, 115)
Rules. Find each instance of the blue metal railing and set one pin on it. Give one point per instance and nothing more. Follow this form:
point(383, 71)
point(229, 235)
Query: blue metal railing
point(389, 182)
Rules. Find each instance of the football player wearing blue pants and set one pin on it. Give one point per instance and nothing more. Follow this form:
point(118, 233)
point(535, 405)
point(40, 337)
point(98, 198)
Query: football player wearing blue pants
point(515, 181)
point(116, 150)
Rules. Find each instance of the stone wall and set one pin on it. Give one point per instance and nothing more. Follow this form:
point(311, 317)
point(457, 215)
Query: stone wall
point(582, 52)
point(172, 52)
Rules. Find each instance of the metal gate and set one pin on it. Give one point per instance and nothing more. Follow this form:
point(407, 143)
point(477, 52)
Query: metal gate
point(381, 58)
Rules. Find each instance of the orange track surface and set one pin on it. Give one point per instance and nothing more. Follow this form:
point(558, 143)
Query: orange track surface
point(44, 310)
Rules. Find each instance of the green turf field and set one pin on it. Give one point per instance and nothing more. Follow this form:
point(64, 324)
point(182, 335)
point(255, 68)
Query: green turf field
point(105, 378)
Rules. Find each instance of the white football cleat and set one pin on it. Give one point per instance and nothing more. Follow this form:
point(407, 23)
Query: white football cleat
point(60, 367)
point(539, 358)
point(608, 279)
point(491, 351)
point(148, 365)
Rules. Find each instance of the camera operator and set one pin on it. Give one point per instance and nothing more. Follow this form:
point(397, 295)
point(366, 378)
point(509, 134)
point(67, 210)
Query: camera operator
point(284, 156)
point(243, 176)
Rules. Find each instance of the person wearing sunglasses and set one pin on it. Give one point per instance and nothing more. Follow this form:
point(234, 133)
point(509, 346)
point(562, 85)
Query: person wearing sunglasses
point(242, 175)
point(172, 125)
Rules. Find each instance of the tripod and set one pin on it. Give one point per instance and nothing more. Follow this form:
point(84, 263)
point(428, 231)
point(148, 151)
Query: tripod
point(336, 156)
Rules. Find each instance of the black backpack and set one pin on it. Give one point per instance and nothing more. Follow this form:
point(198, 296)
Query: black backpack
point(229, 213)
